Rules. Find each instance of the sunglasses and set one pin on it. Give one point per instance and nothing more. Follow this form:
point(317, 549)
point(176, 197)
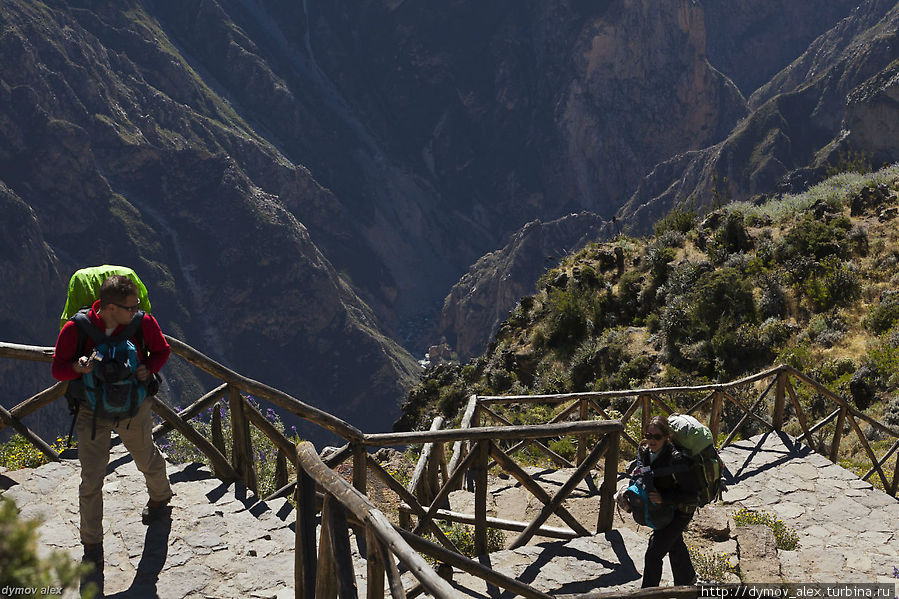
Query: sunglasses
point(656, 437)
point(131, 309)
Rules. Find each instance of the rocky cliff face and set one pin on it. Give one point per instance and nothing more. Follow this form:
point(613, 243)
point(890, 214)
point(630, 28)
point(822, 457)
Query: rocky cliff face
point(481, 300)
point(115, 151)
point(301, 183)
point(832, 102)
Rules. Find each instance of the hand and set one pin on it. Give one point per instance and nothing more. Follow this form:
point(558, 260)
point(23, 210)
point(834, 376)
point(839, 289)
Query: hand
point(655, 497)
point(83, 365)
point(143, 373)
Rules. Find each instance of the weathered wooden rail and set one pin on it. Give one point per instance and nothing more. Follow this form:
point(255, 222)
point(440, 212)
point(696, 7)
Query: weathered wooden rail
point(323, 567)
point(776, 404)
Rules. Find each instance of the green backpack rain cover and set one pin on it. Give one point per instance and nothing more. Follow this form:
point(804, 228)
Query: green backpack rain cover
point(84, 287)
point(695, 442)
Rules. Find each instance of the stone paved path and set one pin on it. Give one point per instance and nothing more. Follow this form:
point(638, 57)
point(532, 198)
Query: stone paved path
point(848, 531)
point(221, 544)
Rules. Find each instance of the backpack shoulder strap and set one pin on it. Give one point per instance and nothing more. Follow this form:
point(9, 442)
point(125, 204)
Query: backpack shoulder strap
point(131, 330)
point(86, 328)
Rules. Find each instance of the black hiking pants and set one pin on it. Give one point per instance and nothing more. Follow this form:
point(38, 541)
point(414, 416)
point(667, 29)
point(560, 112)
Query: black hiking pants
point(669, 541)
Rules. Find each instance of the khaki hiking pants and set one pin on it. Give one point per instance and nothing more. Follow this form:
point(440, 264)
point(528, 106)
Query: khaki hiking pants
point(136, 435)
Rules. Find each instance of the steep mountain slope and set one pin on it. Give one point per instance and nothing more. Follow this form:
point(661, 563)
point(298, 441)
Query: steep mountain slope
point(125, 155)
point(807, 279)
point(301, 183)
point(832, 103)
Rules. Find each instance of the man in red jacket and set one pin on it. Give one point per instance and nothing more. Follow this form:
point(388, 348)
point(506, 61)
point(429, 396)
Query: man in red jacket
point(114, 310)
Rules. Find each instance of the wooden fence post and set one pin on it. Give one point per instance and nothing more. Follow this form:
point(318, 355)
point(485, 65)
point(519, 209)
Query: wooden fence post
point(374, 560)
point(480, 496)
point(609, 482)
point(241, 446)
point(644, 408)
point(779, 400)
point(360, 468)
point(582, 439)
point(305, 560)
point(837, 436)
point(715, 417)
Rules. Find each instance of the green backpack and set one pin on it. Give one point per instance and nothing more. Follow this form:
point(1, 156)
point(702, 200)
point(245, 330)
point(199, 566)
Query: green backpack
point(84, 287)
point(695, 442)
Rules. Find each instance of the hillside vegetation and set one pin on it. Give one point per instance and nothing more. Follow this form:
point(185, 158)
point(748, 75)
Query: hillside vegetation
point(809, 280)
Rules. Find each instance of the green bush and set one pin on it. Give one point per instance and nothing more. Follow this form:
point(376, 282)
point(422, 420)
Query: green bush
point(815, 238)
point(723, 293)
point(462, 536)
point(713, 567)
point(569, 316)
point(731, 237)
point(18, 452)
point(883, 316)
point(786, 537)
point(681, 218)
point(834, 284)
point(891, 413)
point(20, 566)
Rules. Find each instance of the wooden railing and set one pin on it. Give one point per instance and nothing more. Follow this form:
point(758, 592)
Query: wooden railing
point(776, 404)
point(336, 503)
point(476, 448)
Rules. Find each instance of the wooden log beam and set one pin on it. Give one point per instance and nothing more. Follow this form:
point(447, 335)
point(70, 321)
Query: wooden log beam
point(480, 495)
point(285, 445)
point(748, 413)
point(609, 482)
point(192, 410)
point(38, 401)
point(699, 403)
point(563, 397)
point(598, 427)
point(518, 473)
point(681, 592)
point(861, 436)
point(340, 548)
point(374, 566)
point(472, 567)
point(605, 415)
point(553, 532)
point(824, 421)
point(459, 445)
point(882, 461)
point(555, 457)
point(777, 418)
point(418, 481)
point(219, 462)
point(411, 502)
point(563, 492)
point(241, 445)
point(803, 423)
point(444, 492)
point(260, 390)
point(715, 416)
point(359, 506)
point(305, 560)
point(31, 353)
point(30, 435)
point(839, 400)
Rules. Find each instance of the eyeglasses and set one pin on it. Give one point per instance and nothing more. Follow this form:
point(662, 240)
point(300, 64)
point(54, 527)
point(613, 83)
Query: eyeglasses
point(131, 309)
point(656, 437)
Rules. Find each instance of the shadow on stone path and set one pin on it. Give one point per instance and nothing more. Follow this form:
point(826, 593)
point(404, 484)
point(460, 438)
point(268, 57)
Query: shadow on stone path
point(220, 542)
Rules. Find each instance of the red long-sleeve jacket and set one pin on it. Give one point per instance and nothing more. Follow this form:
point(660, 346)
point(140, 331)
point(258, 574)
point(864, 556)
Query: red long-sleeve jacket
point(64, 355)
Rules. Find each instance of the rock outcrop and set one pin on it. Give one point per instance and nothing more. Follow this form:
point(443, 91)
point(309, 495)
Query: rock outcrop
point(824, 107)
point(481, 300)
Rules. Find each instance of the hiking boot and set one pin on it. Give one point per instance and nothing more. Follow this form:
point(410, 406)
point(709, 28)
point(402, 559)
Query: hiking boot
point(155, 510)
point(93, 560)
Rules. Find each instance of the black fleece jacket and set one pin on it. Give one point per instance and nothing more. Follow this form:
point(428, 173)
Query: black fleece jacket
point(679, 487)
